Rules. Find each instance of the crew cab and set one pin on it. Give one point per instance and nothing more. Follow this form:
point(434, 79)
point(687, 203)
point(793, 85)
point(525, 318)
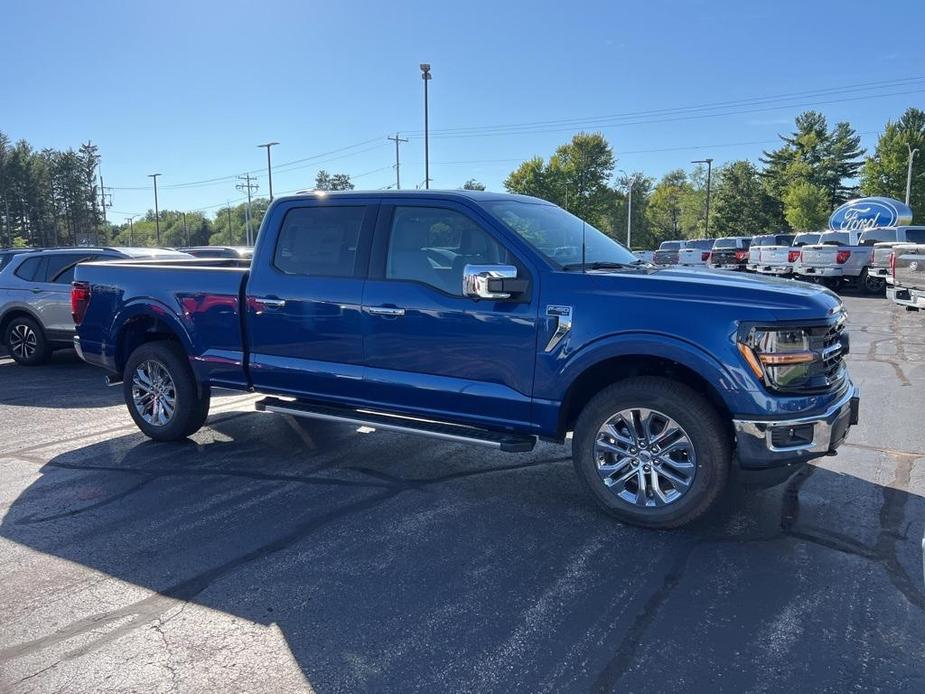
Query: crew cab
point(730, 253)
point(907, 270)
point(839, 260)
point(695, 253)
point(488, 319)
point(771, 242)
point(883, 239)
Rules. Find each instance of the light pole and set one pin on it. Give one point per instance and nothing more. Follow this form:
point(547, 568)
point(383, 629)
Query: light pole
point(269, 167)
point(709, 163)
point(131, 230)
point(157, 215)
point(425, 75)
point(912, 153)
point(629, 209)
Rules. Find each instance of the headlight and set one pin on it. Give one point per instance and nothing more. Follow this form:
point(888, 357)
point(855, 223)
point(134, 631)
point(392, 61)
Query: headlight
point(782, 357)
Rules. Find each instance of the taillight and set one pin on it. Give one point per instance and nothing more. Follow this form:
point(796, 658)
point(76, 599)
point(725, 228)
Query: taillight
point(892, 263)
point(80, 299)
point(705, 256)
point(793, 256)
point(741, 255)
point(842, 257)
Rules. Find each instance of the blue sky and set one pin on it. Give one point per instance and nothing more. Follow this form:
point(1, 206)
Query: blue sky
point(188, 89)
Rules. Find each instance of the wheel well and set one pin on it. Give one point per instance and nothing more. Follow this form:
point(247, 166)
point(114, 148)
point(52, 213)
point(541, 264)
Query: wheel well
point(609, 371)
point(136, 332)
point(12, 315)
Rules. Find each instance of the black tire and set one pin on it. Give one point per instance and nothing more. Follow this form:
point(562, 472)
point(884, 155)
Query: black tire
point(693, 413)
point(26, 342)
point(871, 285)
point(191, 400)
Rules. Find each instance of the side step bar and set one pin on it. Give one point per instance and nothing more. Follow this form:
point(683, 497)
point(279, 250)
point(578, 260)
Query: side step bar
point(504, 441)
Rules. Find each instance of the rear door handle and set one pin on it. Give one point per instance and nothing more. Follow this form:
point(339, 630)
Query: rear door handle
point(271, 303)
point(392, 311)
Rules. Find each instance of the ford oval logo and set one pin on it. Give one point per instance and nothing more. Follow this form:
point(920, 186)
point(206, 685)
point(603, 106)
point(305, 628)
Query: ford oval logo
point(867, 213)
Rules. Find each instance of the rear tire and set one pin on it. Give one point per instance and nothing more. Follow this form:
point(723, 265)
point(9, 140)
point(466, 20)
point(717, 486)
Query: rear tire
point(26, 342)
point(703, 462)
point(161, 392)
point(871, 285)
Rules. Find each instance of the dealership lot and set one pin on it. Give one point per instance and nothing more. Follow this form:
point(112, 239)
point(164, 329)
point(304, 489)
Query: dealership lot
point(270, 554)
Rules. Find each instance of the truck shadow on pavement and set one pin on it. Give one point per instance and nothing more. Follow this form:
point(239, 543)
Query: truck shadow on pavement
point(391, 563)
point(41, 386)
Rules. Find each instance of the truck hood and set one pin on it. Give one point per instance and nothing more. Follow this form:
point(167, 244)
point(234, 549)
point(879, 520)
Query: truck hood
point(752, 297)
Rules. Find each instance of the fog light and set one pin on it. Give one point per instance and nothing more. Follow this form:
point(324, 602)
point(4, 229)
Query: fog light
point(791, 437)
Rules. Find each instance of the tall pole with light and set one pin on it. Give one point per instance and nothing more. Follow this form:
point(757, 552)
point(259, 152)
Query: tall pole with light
point(269, 166)
point(709, 163)
point(425, 75)
point(912, 153)
point(131, 229)
point(157, 214)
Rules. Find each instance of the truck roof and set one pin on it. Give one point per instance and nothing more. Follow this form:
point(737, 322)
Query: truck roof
point(474, 195)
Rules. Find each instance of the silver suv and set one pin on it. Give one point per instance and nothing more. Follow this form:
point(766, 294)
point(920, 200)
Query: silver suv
point(35, 297)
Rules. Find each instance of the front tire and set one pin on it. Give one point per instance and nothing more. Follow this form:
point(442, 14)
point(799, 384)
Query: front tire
point(26, 342)
point(161, 392)
point(652, 452)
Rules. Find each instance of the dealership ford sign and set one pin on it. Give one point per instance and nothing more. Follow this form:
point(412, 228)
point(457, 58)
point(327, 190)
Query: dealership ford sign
point(867, 213)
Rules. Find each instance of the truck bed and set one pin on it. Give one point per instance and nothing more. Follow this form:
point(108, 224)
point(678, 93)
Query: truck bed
point(205, 296)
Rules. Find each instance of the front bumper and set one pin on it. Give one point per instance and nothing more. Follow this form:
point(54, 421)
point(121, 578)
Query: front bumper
point(774, 442)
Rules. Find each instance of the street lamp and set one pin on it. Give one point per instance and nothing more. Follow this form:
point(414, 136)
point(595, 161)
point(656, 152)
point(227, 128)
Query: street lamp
point(425, 75)
point(157, 216)
point(131, 229)
point(709, 163)
point(912, 153)
point(269, 167)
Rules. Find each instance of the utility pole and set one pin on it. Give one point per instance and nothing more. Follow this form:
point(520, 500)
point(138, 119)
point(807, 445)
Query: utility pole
point(186, 229)
point(269, 166)
point(709, 163)
point(157, 214)
point(249, 185)
point(425, 75)
point(105, 201)
point(912, 153)
point(131, 230)
point(629, 212)
point(398, 140)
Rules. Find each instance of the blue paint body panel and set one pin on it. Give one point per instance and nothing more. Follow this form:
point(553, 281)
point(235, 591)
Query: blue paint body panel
point(448, 357)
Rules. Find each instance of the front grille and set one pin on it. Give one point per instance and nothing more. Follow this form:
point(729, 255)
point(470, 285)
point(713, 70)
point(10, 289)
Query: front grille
point(830, 342)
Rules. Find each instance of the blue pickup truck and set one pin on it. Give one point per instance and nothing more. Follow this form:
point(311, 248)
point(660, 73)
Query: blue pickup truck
point(489, 319)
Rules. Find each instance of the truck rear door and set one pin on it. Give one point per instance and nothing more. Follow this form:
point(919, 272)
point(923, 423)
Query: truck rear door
point(303, 326)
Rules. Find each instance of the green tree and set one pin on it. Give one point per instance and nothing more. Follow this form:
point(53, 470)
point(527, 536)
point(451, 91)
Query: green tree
point(472, 184)
point(884, 173)
point(740, 203)
point(674, 208)
point(806, 206)
point(326, 181)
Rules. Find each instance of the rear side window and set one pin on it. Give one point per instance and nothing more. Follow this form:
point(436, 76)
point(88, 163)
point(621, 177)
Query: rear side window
point(805, 239)
point(724, 243)
point(869, 238)
point(702, 244)
point(669, 246)
point(915, 235)
point(783, 240)
point(320, 241)
point(31, 268)
point(834, 238)
point(60, 267)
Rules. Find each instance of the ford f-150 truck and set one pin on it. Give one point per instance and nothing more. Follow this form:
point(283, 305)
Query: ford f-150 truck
point(489, 319)
point(839, 259)
point(907, 268)
point(883, 239)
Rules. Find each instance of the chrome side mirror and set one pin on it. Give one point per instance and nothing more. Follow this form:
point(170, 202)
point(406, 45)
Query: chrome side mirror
point(488, 281)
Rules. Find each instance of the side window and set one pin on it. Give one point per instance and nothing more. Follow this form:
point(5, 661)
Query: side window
point(31, 269)
point(319, 241)
point(433, 245)
point(60, 269)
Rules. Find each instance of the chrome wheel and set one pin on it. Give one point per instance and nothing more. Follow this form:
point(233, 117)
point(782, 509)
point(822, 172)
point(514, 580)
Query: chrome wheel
point(23, 341)
point(645, 458)
point(153, 393)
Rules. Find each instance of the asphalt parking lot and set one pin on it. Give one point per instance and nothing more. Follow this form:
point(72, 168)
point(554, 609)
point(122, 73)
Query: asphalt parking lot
point(272, 555)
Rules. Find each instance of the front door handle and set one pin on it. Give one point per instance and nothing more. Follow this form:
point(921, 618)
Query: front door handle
point(271, 303)
point(36, 290)
point(391, 311)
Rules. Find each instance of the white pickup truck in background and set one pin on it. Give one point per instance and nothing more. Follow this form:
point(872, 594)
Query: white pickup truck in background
point(883, 239)
point(761, 244)
point(774, 254)
point(908, 275)
point(695, 253)
point(840, 260)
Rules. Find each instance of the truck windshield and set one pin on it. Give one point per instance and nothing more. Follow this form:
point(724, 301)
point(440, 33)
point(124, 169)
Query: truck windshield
point(557, 234)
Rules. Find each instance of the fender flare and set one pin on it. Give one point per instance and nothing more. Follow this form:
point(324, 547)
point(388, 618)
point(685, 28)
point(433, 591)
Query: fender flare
point(146, 307)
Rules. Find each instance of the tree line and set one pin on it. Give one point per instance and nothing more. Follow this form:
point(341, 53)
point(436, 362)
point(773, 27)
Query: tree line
point(796, 187)
point(50, 197)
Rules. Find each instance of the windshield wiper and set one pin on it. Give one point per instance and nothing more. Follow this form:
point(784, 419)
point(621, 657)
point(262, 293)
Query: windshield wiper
point(603, 265)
